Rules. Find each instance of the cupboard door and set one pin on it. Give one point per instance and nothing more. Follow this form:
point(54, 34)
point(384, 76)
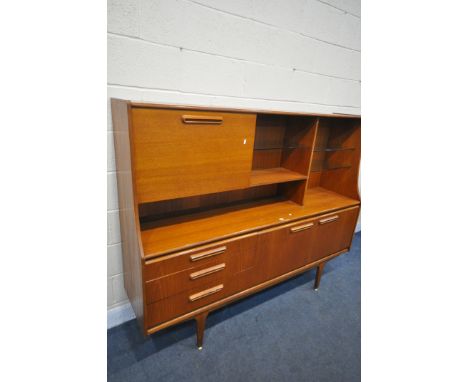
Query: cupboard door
point(180, 153)
point(334, 232)
point(285, 249)
point(301, 243)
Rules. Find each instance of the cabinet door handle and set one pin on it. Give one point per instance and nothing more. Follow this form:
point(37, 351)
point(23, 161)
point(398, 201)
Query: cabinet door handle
point(301, 227)
point(205, 293)
point(209, 253)
point(202, 120)
point(207, 271)
point(329, 220)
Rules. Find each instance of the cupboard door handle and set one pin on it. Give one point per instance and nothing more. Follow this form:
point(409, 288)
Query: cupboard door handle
point(209, 253)
point(202, 120)
point(329, 220)
point(205, 293)
point(207, 271)
point(301, 227)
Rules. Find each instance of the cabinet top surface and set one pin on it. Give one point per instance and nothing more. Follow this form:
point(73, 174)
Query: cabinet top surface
point(175, 234)
point(236, 110)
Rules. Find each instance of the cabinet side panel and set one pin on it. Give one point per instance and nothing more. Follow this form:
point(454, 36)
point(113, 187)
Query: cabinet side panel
point(129, 223)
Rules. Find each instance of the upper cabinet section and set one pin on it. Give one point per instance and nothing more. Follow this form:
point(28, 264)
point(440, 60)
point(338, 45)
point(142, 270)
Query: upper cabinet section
point(181, 153)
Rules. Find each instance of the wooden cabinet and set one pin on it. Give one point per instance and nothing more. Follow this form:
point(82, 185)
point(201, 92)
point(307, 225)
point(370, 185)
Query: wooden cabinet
point(218, 204)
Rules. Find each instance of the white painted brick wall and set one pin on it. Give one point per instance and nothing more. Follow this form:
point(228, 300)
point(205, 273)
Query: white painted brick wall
point(292, 55)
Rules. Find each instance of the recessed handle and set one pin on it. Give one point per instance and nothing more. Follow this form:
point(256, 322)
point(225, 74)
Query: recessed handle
point(207, 271)
point(202, 120)
point(329, 220)
point(301, 227)
point(209, 253)
point(205, 293)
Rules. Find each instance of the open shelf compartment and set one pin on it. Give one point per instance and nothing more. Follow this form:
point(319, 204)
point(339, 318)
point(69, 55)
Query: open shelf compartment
point(336, 155)
point(185, 231)
point(282, 152)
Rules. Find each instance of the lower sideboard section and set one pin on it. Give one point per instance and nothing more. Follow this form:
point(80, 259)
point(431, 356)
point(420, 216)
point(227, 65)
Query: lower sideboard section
point(271, 253)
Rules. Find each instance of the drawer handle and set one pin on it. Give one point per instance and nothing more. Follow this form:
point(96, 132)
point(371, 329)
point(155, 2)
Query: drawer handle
point(202, 120)
point(205, 293)
point(301, 227)
point(329, 220)
point(209, 253)
point(207, 271)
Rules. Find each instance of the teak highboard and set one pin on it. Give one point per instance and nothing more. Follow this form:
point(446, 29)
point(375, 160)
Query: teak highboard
point(217, 204)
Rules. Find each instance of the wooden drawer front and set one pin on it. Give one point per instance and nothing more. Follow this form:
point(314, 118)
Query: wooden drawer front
point(196, 268)
point(238, 254)
point(195, 298)
point(186, 260)
point(180, 153)
point(210, 274)
point(334, 232)
point(179, 293)
point(186, 301)
point(285, 249)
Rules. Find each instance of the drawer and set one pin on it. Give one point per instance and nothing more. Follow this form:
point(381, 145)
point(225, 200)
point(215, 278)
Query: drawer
point(212, 273)
point(334, 232)
point(186, 302)
point(186, 260)
point(218, 271)
point(237, 253)
point(195, 298)
point(181, 153)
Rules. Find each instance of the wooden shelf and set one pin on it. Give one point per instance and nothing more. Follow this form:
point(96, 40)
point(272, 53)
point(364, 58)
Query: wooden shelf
point(274, 175)
point(174, 234)
point(329, 167)
point(333, 149)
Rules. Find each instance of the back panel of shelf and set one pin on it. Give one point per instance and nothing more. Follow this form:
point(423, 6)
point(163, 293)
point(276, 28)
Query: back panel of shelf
point(180, 206)
point(283, 141)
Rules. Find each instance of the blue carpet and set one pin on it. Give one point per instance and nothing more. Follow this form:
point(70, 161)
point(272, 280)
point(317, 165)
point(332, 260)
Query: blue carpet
point(286, 333)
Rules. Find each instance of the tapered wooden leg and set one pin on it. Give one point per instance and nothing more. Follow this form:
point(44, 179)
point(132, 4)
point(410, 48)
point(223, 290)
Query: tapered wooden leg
point(318, 275)
point(201, 319)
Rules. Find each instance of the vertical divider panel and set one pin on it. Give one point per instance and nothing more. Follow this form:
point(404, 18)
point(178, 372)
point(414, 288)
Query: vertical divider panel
point(300, 132)
point(322, 133)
